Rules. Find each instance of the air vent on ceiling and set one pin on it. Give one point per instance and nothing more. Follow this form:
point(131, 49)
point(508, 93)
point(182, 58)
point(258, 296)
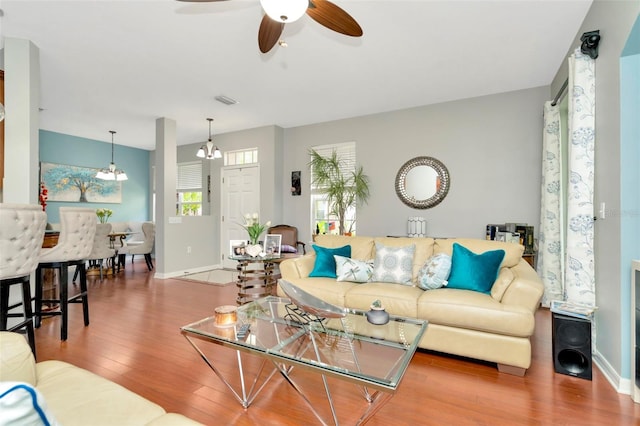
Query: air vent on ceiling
point(226, 100)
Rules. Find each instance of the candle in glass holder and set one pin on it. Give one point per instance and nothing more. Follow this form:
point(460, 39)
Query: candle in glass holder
point(225, 315)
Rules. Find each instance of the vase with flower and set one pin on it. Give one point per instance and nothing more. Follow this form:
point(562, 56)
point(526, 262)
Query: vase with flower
point(254, 229)
point(104, 215)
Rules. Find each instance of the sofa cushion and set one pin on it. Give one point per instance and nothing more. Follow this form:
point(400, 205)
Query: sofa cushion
point(471, 271)
point(393, 264)
point(22, 404)
point(435, 272)
point(472, 310)
point(17, 363)
point(397, 299)
point(325, 264)
point(353, 270)
point(361, 247)
point(76, 397)
point(512, 252)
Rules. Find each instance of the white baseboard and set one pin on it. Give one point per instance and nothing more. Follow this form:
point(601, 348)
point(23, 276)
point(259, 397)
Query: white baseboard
point(181, 273)
point(621, 385)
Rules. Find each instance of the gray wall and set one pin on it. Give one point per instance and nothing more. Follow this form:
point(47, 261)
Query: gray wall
point(491, 146)
point(202, 234)
point(614, 19)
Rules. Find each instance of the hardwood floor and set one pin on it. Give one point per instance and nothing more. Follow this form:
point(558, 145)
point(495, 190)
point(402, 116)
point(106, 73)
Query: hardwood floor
point(134, 339)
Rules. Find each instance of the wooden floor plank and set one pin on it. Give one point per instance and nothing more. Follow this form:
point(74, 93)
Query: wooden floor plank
point(134, 340)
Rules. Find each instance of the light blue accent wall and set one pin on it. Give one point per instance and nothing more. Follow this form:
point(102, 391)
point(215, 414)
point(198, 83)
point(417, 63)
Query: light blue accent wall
point(629, 182)
point(76, 151)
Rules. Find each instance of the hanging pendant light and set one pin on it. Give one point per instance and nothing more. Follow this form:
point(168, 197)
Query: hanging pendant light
point(111, 173)
point(208, 150)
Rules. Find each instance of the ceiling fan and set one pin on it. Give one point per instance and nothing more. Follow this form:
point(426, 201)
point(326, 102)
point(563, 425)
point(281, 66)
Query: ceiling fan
point(280, 12)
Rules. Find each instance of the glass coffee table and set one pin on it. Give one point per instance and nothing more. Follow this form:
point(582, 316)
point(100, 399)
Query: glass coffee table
point(345, 346)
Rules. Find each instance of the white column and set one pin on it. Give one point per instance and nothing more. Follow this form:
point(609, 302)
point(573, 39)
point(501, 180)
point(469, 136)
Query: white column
point(166, 169)
point(22, 101)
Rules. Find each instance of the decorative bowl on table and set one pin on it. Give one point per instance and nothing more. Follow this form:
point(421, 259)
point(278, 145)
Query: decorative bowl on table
point(310, 303)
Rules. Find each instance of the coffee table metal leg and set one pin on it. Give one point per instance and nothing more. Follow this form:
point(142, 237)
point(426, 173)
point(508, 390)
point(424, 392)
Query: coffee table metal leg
point(247, 397)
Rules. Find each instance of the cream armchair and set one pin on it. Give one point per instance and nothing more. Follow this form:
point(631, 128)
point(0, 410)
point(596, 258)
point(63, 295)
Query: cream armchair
point(72, 395)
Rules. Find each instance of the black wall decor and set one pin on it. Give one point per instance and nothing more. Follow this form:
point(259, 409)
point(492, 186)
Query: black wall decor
point(590, 42)
point(296, 189)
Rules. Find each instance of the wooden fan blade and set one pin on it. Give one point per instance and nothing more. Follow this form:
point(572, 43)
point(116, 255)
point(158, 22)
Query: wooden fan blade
point(333, 17)
point(269, 33)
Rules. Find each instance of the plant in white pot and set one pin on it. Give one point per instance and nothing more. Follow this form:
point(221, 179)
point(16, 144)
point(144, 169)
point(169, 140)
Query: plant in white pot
point(342, 189)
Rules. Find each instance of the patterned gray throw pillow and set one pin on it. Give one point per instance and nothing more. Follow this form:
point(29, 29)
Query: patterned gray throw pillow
point(393, 264)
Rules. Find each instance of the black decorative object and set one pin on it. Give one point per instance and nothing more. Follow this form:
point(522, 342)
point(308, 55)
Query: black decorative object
point(296, 188)
point(590, 42)
point(571, 345)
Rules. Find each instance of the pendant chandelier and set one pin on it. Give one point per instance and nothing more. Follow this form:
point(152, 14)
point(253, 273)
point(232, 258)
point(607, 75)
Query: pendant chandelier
point(208, 150)
point(111, 173)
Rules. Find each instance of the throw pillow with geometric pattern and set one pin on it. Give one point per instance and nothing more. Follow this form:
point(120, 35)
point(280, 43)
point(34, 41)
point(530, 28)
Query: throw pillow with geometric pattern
point(393, 264)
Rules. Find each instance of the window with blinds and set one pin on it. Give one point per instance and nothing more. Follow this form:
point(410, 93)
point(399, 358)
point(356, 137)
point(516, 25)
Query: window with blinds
point(322, 221)
point(189, 189)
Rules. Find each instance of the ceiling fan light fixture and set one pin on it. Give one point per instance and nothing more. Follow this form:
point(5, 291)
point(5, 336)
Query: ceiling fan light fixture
point(285, 10)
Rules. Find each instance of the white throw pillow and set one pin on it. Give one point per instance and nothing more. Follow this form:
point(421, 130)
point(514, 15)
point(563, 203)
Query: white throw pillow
point(22, 405)
point(393, 264)
point(435, 272)
point(353, 270)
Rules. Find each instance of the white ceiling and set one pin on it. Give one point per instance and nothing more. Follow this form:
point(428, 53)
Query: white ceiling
point(119, 65)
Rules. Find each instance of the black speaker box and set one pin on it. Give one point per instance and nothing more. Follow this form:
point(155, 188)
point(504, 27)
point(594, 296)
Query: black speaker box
point(572, 346)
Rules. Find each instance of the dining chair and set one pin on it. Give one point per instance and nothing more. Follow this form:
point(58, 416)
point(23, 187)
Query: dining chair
point(77, 231)
point(21, 234)
point(102, 249)
point(289, 243)
point(149, 231)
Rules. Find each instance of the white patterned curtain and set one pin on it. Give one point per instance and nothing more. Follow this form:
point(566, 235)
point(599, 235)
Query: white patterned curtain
point(567, 267)
point(580, 273)
point(551, 234)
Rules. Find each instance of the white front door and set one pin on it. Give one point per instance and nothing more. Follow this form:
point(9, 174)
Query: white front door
point(240, 195)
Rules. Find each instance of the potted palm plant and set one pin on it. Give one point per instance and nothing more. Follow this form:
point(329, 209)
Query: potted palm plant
point(343, 190)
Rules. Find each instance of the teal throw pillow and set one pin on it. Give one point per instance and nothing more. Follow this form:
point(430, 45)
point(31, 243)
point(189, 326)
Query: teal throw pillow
point(471, 271)
point(393, 264)
point(353, 270)
point(325, 265)
point(435, 272)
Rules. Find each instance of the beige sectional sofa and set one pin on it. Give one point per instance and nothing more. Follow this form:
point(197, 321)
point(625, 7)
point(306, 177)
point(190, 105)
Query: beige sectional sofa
point(492, 327)
point(70, 395)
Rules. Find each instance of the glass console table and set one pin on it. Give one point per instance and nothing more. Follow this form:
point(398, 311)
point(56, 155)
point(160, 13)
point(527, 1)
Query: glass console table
point(349, 348)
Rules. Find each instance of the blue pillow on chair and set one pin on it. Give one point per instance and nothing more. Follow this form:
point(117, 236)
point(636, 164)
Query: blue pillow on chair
point(477, 272)
point(325, 265)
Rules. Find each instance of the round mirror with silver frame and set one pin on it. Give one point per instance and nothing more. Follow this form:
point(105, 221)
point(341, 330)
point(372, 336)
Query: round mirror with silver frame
point(422, 182)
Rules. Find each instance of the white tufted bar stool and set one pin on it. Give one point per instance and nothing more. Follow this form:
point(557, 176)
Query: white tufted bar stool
point(21, 234)
point(77, 230)
point(101, 249)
